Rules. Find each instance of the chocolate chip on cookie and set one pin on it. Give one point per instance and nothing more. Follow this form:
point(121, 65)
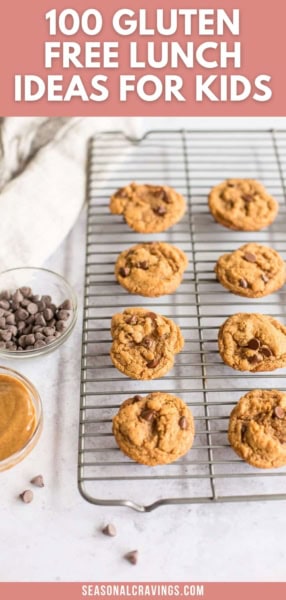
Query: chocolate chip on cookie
point(253, 342)
point(148, 208)
point(156, 430)
point(151, 269)
point(257, 428)
point(242, 204)
point(145, 349)
point(252, 270)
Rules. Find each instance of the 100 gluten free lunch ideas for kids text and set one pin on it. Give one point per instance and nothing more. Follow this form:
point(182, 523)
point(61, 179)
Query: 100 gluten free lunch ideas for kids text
point(132, 31)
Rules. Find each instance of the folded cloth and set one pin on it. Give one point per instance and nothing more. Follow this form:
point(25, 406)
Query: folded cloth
point(42, 182)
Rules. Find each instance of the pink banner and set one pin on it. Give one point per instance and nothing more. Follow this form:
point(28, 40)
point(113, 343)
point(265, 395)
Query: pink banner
point(93, 60)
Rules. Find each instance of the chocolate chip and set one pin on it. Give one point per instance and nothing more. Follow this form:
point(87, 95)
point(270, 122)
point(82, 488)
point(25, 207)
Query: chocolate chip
point(132, 557)
point(229, 184)
point(148, 415)
point(136, 398)
point(159, 210)
point(143, 265)
point(18, 296)
point(38, 481)
point(249, 257)
point(124, 271)
point(109, 530)
point(266, 351)
point(183, 423)
point(153, 363)
point(66, 305)
point(21, 314)
point(60, 326)
point(40, 320)
point(32, 308)
point(10, 320)
point(2, 322)
point(121, 193)
point(247, 197)
point(63, 315)
point(5, 295)
point(243, 283)
point(147, 342)
point(253, 344)
point(4, 304)
point(279, 412)
point(151, 315)
point(26, 291)
point(5, 335)
point(47, 299)
point(30, 339)
point(40, 344)
point(255, 359)
point(243, 431)
point(264, 278)
point(27, 496)
point(132, 320)
point(48, 331)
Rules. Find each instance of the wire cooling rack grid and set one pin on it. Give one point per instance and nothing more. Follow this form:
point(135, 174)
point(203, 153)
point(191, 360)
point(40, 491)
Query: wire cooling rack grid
point(191, 162)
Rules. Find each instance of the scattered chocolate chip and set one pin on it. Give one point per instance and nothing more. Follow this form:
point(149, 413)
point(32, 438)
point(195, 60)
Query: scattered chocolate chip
point(264, 278)
point(159, 210)
point(153, 363)
point(109, 530)
point(132, 320)
point(143, 265)
point(266, 351)
point(279, 412)
point(243, 283)
point(132, 557)
point(229, 184)
point(27, 496)
point(253, 344)
point(249, 257)
point(183, 423)
point(148, 415)
point(38, 481)
point(247, 197)
point(124, 271)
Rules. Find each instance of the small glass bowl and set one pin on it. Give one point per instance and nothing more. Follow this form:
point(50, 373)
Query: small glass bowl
point(15, 458)
point(42, 282)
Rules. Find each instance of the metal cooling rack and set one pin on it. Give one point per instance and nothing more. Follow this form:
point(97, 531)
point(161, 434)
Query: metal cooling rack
point(192, 162)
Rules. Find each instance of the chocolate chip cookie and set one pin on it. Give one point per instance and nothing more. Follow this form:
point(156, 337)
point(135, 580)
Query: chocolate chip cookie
point(257, 428)
point(253, 342)
point(152, 269)
point(148, 208)
point(144, 343)
point(154, 430)
point(242, 204)
point(252, 271)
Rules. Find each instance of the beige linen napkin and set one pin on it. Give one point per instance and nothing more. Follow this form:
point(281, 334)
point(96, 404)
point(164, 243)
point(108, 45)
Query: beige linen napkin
point(43, 178)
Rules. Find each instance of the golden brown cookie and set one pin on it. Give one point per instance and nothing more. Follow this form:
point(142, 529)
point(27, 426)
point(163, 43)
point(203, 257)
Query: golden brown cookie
point(154, 430)
point(257, 428)
point(252, 271)
point(148, 208)
point(144, 343)
point(253, 342)
point(242, 204)
point(151, 269)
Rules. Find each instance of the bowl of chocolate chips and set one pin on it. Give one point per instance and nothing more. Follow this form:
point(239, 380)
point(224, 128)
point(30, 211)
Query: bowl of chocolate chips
point(38, 310)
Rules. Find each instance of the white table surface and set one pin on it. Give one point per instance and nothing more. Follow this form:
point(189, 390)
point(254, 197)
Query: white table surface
point(58, 536)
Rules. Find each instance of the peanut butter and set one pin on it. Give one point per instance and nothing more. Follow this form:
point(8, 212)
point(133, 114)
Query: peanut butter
point(17, 416)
